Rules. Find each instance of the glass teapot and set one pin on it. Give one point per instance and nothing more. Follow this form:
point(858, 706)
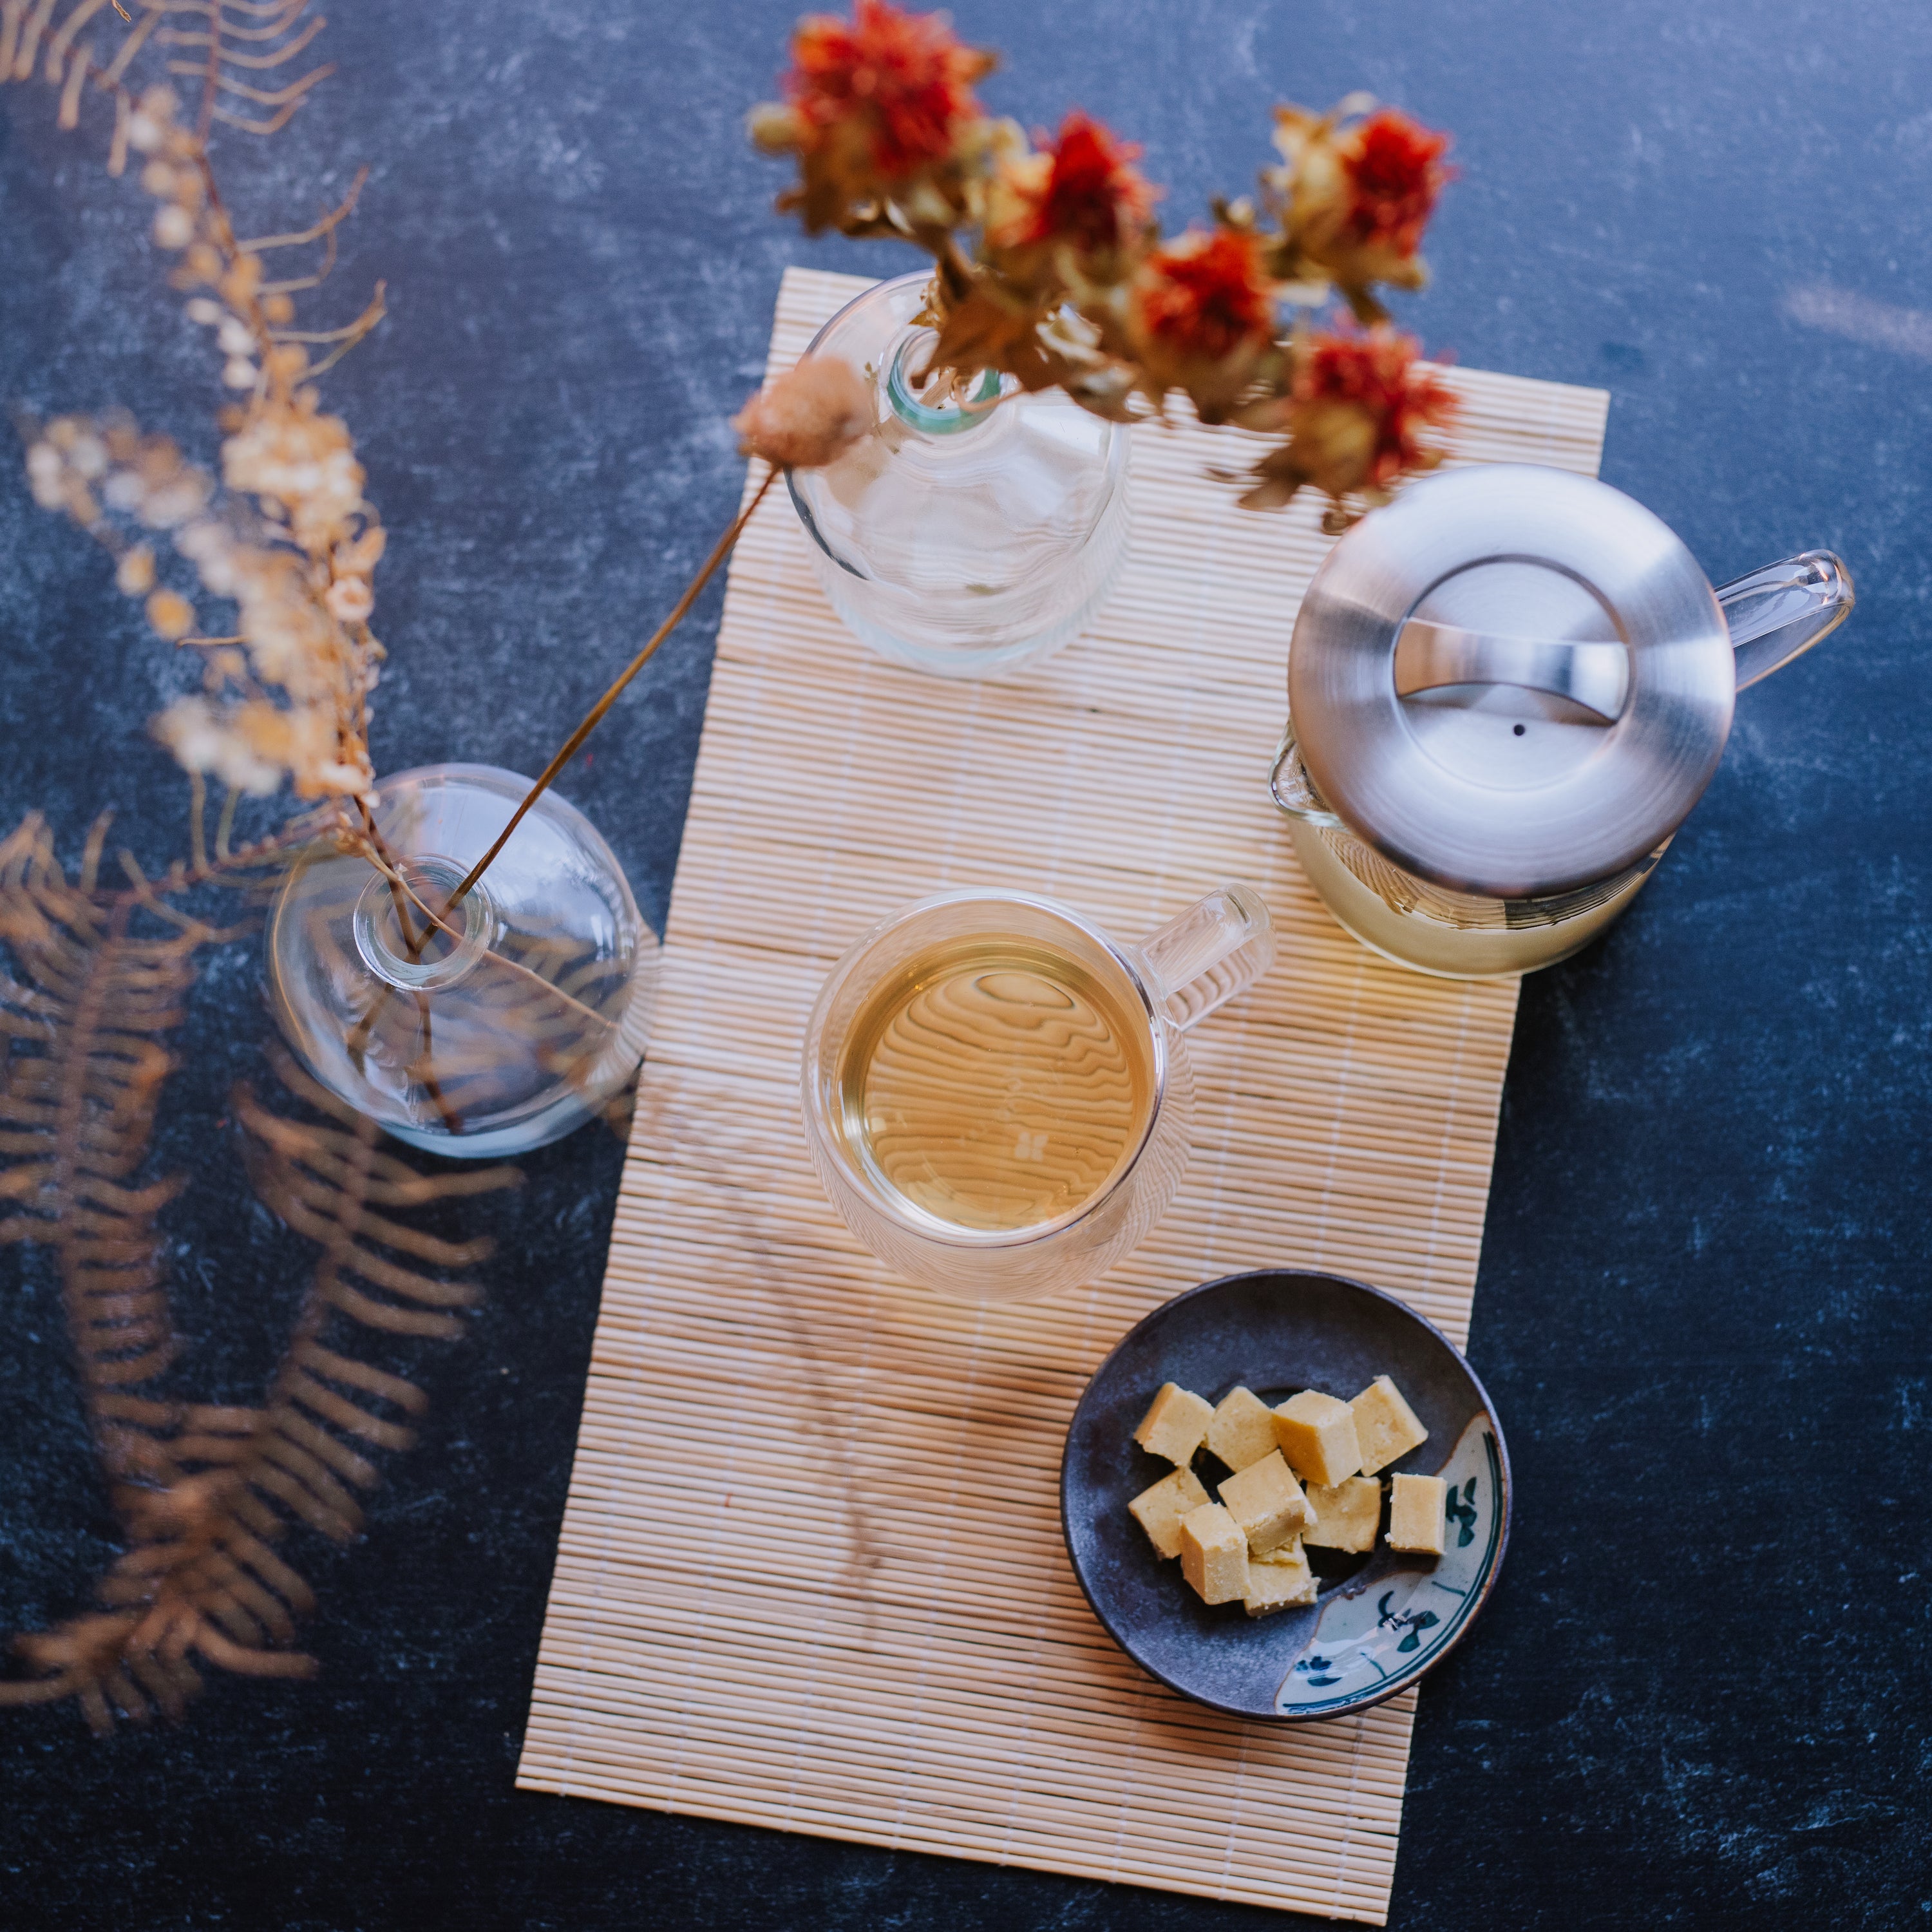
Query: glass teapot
point(1506, 689)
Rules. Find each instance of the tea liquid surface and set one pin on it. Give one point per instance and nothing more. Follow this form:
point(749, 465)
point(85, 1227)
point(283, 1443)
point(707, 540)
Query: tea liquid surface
point(996, 1084)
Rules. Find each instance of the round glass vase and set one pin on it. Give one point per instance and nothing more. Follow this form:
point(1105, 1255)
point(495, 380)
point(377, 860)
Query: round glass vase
point(965, 538)
point(498, 1030)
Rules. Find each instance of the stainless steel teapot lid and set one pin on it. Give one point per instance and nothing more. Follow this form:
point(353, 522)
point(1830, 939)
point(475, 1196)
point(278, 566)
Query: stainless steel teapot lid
point(1511, 680)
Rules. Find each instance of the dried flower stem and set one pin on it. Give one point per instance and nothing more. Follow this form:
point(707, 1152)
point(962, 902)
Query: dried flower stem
point(424, 1067)
point(595, 716)
point(392, 871)
point(432, 918)
point(226, 826)
point(378, 855)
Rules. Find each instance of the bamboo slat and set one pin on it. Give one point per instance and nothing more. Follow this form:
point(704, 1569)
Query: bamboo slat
point(811, 1574)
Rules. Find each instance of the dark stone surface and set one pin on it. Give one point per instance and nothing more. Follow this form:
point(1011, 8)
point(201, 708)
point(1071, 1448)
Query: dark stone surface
point(1698, 1698)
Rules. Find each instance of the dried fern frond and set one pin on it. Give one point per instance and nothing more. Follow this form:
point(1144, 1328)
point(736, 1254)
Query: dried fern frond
point(84, 1015)
point(99, 977)
point(86, 1005)
point(236, 39)
point(202, 1579)
point(329, 1181)
point(227, 45)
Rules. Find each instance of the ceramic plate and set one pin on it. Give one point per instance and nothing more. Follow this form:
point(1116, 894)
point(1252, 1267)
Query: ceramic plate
point(1381, 1619)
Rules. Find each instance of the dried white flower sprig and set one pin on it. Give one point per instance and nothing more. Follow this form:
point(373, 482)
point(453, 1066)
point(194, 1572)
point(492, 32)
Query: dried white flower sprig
point(288, 538)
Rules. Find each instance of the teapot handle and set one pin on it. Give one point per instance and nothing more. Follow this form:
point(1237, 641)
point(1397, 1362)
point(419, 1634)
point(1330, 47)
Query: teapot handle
point(1290, 786)
point(1780, 612)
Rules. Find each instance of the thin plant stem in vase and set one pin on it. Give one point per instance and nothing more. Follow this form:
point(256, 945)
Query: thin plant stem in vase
point(471, 1009)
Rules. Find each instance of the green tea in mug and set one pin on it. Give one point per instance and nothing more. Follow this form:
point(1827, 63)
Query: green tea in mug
point(995, 1083)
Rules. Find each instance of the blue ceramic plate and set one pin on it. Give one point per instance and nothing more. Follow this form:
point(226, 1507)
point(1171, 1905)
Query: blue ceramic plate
point(1381, 1619)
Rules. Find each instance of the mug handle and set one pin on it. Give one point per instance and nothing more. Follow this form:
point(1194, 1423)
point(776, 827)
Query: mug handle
point(1218, 947)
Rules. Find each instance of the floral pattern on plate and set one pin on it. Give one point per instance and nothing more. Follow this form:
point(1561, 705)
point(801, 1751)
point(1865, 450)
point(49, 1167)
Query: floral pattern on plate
point(1376, 1635)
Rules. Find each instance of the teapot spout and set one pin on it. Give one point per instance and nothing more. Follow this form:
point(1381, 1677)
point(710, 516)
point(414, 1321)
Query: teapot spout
point(1780, 612)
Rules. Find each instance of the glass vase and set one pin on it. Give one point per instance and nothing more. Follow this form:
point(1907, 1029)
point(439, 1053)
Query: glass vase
point(967, 537)
point(502, 1028)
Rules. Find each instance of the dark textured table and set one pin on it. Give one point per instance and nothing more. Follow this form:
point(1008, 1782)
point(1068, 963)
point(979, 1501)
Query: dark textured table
point(1699, 1697)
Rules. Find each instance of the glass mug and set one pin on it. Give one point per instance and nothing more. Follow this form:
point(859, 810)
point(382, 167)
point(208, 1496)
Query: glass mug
point(997, 1095)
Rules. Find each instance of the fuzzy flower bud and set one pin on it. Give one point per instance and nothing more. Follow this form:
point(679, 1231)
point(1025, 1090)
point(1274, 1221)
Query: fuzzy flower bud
point(807, 417)
point(1202, 315)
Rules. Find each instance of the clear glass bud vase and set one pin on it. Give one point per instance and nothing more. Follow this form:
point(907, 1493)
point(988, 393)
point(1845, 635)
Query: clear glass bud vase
point(504, 1028)
point(965, 538)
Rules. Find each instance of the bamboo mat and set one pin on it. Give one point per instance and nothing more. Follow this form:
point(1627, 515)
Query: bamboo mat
point(811, 1574)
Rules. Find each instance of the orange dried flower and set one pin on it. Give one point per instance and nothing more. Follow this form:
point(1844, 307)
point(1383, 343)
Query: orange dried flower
point(1206, 296)
point(1202, 318)
point(1394, 170)
point(806, 417)
point(901, 80)
point(1360, 408)
point(1089, 196)
point(1357, 190)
